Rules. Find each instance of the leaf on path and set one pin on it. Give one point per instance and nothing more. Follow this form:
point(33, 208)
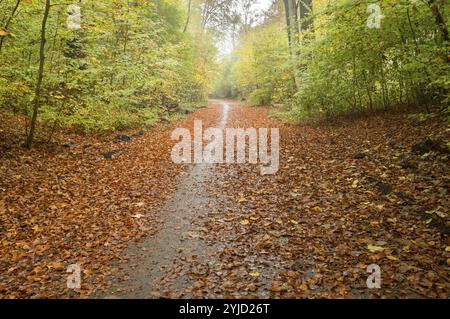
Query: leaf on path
point(391, 258)
point(374, 249)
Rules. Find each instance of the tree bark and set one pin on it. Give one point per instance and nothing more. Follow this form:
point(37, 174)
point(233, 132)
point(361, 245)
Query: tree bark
point(288, 21)
point(305, 12)
point(188, 16)
point(439, 19)
point(37, 93)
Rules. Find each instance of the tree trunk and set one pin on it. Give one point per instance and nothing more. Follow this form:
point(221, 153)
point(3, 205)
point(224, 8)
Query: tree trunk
point(293, 33)
point(305, 12)
point(37, 94)
point(439, 19)
point(188, 16)
point(288, 21)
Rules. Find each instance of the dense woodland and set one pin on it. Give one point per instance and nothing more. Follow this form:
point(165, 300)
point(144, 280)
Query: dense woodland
point(130, 63)
point(92, 91)
point(339, 61)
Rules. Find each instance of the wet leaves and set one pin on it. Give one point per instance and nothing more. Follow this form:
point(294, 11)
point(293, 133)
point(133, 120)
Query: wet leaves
point(329, 213)
point(68, 205)
point(309, 231)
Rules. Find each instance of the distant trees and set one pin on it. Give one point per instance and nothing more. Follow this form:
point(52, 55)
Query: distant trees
point(342, 63)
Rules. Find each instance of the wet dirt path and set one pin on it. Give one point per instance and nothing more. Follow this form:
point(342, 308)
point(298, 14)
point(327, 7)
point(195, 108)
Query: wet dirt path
point(150, 271)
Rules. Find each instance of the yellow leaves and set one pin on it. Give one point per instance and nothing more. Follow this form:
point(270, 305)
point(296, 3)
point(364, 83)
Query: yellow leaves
point(23, 245)
point(56, 265)
point(279, 221)
point(392, 258)
point(392, 220)
point(303, 287)
point(447, 249)
point(191, 234)
point(276, 287)
point(437, 212)
point(244, 222)
point(3, 32)
point(241, 198)
point(441, 214)
point(355, 183)
point(37, 229)
point(317, 209)
point(34, 278)
point(36, 275)
point(374, 249)
point(254, 274)
point(2, 206)
point(294, 222)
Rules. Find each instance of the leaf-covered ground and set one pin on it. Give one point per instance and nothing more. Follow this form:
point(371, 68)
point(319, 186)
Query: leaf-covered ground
point(347, 195)
point(70, 203)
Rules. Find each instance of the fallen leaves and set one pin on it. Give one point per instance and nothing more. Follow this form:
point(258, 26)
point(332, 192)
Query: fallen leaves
point(67, 205)
point(324, 217)
point(309, 231)
point(392, 258)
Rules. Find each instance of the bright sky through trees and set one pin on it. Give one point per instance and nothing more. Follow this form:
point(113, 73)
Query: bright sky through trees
point(225, 44)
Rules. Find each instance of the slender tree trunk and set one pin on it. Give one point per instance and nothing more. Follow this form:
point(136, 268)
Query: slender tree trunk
point(441, 23)
point(188, 16)
point(37, 94)
point(439, 19)
point(384, 89)
point(9, 21)
point(305, 12)
point(293, 35)
point(294, 20)
point(288, 21)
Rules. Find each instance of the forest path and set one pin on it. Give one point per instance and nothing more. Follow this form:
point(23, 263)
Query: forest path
point(347, 195)
point(340, 201)
point(179, 239)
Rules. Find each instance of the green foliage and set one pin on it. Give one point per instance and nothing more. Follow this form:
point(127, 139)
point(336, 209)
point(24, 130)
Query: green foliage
point(128, 65)
point(262, 72)
point(224, 86)
point(348, 67)
point(341, 65)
